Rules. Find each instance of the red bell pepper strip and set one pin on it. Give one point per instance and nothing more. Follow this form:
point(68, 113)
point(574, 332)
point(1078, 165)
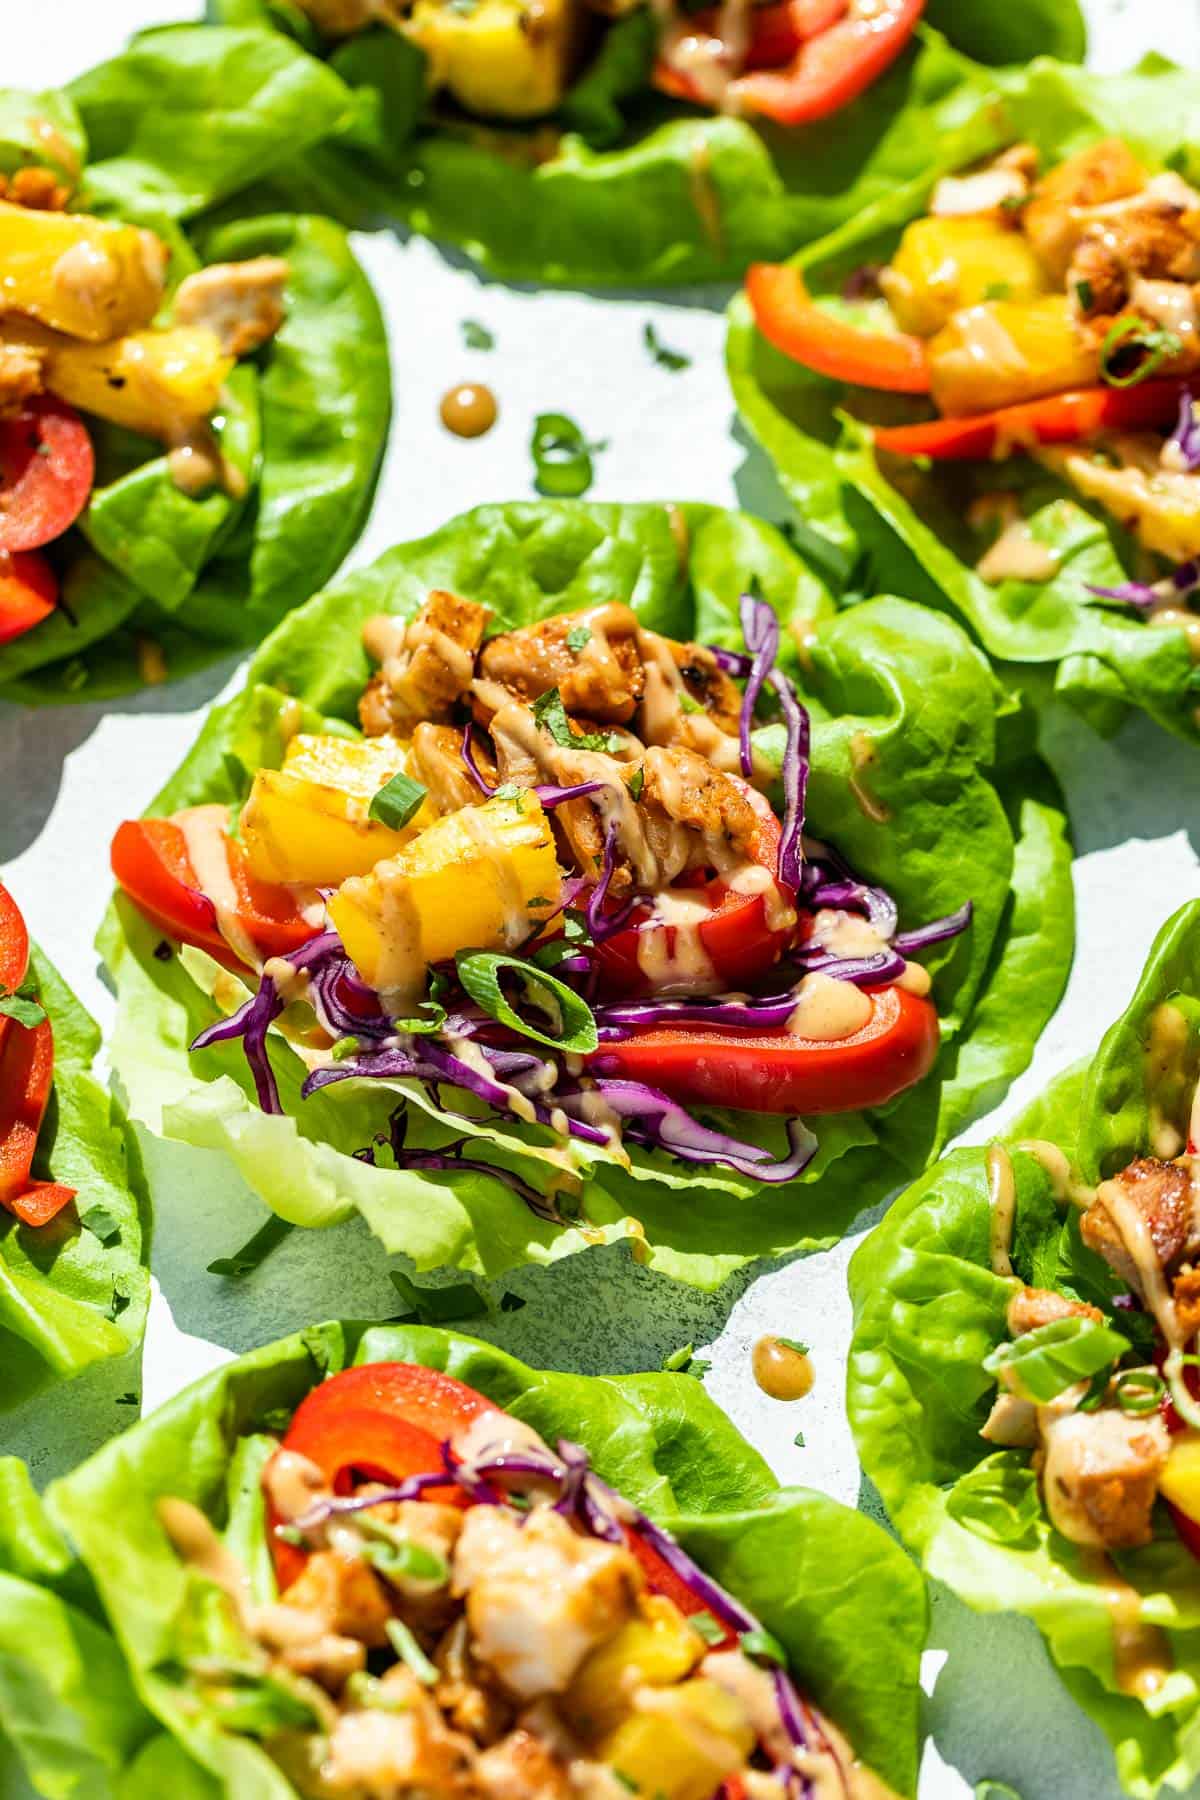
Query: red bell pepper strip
point(806, 332)
point(26, 1077)
point(778, 1072)
point(47, 469)
point(151, 863)
point(28, 592)
point(807, 59)
point(1059, 419)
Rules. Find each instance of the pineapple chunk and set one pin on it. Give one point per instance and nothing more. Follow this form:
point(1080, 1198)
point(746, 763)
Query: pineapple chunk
point(88, 277)
point(1007, 351)
point(308, 822)
point(162, 384)
point(501, 59)
point(655, 1649)
point(1062, 201)
point(682, 1742)
point(481, 878)
point(943, 265)
point(1180, 1480)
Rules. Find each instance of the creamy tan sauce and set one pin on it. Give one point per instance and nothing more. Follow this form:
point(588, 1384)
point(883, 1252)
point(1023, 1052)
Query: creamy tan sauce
point(1002, 1209)
point(468, 410)
point(780, 1371)
point(1134, 1230)
point(197, 1544)
point(151, 661)
point(828, 1011)
point(915, 978)
point(1142, 1657)
point(205, 837)
point(1064, 1185)
point(1016, 555)
point(196, 465)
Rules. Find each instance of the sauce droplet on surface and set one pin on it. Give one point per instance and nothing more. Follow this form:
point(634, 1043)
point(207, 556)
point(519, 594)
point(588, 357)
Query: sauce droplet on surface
point(469, 409)
point(781, 1371)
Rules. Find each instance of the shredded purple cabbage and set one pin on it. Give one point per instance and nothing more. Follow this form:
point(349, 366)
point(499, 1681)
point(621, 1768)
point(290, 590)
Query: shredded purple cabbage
point(601, 924)
point(1147, 594)
point(760, 628)
point(450, 1159)
point(1186, 436)
point(652, 1118)
point(936, 932)
point(548, 792)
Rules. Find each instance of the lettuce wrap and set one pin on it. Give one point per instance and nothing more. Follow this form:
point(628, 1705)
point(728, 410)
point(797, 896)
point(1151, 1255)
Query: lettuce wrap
point(74, 1291)
point(156, 581)
point(907, 524)
point(842, 1599)
point(966, 811)
point(928, 1309)
point(620, 185)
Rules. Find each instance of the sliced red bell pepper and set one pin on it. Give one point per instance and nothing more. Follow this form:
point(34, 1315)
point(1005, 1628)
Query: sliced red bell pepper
point(805, 59)
point(833, 68)
point(26, 1077)
point(28, 592)
point(796, 325)
point(1059, 419)
point(778, 1072)
point(379, 1422)
point(46, 472)
point(735, 937)
point(151, 862)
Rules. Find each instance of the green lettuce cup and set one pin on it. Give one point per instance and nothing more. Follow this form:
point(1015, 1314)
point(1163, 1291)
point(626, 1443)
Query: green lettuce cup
point(936, 1327)
point(961, 809)
point(169, 567)
point(842, 1599)
point(74, 1290)
point(609, 182)
point(923, 527)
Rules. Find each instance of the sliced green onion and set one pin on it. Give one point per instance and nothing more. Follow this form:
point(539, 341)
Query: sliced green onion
point(562, 457)
point(480, 972)
point(1125, 333)
point(395, 804)
point(707, 1627)
point(1140, 1391)
point(410, 1652)
point(1056, 1356)
point(761, 1646)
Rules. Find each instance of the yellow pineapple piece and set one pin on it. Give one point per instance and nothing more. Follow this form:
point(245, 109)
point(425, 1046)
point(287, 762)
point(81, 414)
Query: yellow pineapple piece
point(943, 265)
point(1180, 1480)
point(91, 278)
point(162, 384)
point(654, 1649)
point(501, 59)
point(682, 1741)
point(479, 879)
point(308, 821)
point(1007, 351)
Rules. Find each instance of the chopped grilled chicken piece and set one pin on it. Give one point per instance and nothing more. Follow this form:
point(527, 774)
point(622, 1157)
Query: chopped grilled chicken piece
point(38, 189)
point(1120, 260)
point(426, 663)
point(437, 763)
point(539, 1595)
point(464, 1690)
point(1061, 203)
point(346, 1593)
point(20, 375)
point(1160, 506)
point(241, 303)
point(390, 1755)
point(590, 657)
point(1100, 1474)
point(689, 702)
point(520, 1767)
point(1160, 1194)
point(686, 790)
point(1012, 1422)
point(1033, 1307)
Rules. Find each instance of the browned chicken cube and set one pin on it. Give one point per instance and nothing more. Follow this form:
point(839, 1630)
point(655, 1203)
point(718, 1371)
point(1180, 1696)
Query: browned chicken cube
point(1034, 1307)
point(436, 760)
point(347, 1594)
point(426, 663)
point(1160, 1195)
point(241, 302)
point(590, 657)
point(520, 1767)
point(1058, 210)
point(1100, 1475)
